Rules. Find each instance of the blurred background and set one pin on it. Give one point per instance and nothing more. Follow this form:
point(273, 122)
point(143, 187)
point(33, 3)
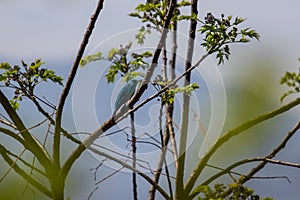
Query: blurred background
point(52, 30)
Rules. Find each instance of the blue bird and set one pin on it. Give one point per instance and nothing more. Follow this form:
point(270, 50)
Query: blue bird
point(125, 94)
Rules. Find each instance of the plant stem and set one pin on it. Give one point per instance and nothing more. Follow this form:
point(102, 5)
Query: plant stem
point(180, 194)
point(66, 90)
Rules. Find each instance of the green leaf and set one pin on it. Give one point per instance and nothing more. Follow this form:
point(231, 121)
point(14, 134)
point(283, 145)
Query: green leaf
point(112, 53)
point(50, 74)
point(184, 3)
point(133, 75)
point(14, 104)
point(201, 189)
point(5, 66)
point(189, 89)
point(292, 80)
point(35, 65)
point(91, 58)
point(238, 20)
point(3, 78)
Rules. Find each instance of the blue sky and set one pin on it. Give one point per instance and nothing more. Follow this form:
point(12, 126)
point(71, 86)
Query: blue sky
point(52, 30)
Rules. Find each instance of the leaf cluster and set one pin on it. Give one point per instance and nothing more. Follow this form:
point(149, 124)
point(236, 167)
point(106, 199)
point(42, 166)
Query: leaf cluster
point(122, 61)
point(126, 63)
point(24, 79)
point(154, 13)
point(168, 96)
point(91, 58)
point(232, 191)
point(292, 80)
point(221, 32)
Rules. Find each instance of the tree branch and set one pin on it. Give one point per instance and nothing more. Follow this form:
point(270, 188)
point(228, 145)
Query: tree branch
point(170, 107)
point(272, 154)
point(33, 144)
point(133, 145)
point(280, 162)
point(265, 160)
point(162, 159)
point(22, 173)
point(125, 165)
point(180, 194)
point(113, 120)
point(3, 121)
point(66, 90)
point(232, 133)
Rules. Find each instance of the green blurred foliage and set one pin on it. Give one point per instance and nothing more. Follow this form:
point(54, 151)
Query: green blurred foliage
point(252, 88)
point(14, 187)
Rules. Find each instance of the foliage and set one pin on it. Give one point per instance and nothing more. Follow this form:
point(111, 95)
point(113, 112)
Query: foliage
point(141, 35)
point(292, 80)
point(232, 191)
point(220, 32)
point(91, 58)
point(24, 80)
point(168, 96)
point(154, 13)
point(122, 62)
point(126, 64)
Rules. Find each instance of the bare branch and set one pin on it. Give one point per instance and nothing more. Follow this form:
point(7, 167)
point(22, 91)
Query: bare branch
point(22, 173)
point(161, 160)
point(18, 157)
point(133, 145)
point(279, 162)
point(12, 165)
point(125, 165)
point(272, 154)
point(32, 144)
point(186, 105)
point(110, 175)
point(232, 133)
point(229, 169)
point(8, 123)
point(66, 90)
point(239, 174)
point(170, 107)
point(111, 122)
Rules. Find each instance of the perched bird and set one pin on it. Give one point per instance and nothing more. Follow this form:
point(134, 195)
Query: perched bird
point(125, 94)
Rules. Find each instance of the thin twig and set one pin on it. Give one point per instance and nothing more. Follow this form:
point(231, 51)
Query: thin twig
point(34, 126)
point(201, 127)
point(125, 165)
point(97, 168)
point(288, 136)
point(12, 165)
point(8, 123)
point(110, 175)
point(93, 191)
point(124, 156)
point(22, 173)
point(280, 162)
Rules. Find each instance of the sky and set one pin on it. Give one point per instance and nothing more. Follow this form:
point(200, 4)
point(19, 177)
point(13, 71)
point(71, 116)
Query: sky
point(52, 30)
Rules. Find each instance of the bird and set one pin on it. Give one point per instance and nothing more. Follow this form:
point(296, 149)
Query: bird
point(125, 94)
